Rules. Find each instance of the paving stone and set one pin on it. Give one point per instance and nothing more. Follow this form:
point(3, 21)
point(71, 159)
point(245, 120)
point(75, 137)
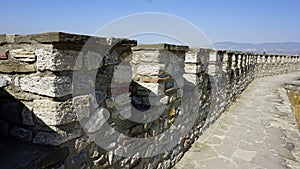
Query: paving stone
point(215, 140)
point(225, 151)
point(217, 163)
point(244, 154)
point(205, 152)
point(232, 141)
point(245, 145)
point(244, 164)
point(268, 159)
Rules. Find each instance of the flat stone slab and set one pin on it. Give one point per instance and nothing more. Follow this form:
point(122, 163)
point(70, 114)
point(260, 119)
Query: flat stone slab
point(62, 37)
point(161, 46)
point(258, 131)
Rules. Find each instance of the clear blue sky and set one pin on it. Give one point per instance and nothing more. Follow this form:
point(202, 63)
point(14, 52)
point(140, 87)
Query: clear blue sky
point(221, 20)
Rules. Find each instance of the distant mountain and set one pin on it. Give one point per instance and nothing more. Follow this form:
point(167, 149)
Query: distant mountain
point(272, 48)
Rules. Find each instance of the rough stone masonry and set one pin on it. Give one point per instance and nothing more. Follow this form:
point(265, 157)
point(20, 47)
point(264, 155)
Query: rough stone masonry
point(47, 108)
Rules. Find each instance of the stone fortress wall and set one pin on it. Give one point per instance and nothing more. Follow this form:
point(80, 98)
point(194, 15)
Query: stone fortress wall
point(49, 84)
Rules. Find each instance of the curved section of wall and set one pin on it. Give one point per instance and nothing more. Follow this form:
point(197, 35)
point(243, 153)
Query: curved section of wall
point(141, 92)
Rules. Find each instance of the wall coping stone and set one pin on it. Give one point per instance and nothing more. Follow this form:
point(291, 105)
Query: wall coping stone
point(200, 50)
point(230, 52)
point(161, 46)
point(66, 38)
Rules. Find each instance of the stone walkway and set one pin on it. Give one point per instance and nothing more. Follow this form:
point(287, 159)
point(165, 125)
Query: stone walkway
point(258, 131)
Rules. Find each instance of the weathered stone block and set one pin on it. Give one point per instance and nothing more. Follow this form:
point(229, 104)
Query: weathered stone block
point(213, 69)
point(56, 138)
point(159, 100)
point(161, 47)
point(213, 56)
point(150, 56)
point(122, 74)
point(93, 60)
point(84, 105)
point(122, 99)
point(111, 58)
point(23, 55)
point(9, 66)
point(155, 88)
point(191, 78)
point(159, 53)
point(96, 121)
point(81, 143)
point(176, 58)
point(148, 70)
point(192, 68)
point(51, 86)
point(192, 57)
point(5, 80)
point(51, 37)
point(54, 113)
point(7, 38)
point(155, 79)
point(84, 83)
point(67, 38)
point(174, 69)
point(58, 60)
point(125, 112)
point(198, 56)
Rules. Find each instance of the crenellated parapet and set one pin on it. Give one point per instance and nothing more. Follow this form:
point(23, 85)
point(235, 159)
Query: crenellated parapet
point(58, 90)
